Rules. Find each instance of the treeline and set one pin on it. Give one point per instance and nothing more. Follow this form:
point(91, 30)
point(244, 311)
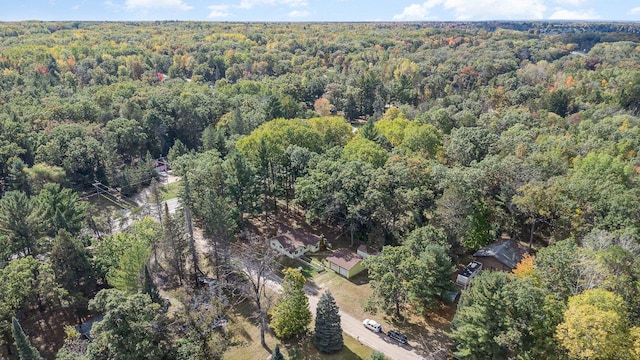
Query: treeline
point(462, 135)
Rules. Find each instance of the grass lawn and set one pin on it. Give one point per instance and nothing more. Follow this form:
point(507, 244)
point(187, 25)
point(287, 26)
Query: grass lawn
point(429, 333)
point(248, 343)
point(350, 294)
point(170, 191)
point(307, 271)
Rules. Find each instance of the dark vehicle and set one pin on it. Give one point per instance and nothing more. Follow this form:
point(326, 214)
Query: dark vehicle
point(397, 337)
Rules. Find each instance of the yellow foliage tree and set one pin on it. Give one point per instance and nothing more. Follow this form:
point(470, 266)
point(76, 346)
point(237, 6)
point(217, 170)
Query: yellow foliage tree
point(524, 269)
point(594, 327)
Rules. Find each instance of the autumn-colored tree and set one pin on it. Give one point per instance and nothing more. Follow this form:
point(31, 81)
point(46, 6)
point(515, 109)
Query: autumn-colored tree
point(524, 269)
point(595, 326)
point(322, 106)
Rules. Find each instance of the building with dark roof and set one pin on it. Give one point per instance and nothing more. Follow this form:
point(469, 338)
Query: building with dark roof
point(502, 255)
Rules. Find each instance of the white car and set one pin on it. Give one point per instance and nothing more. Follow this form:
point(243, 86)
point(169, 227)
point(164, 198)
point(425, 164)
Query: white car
point(372, 325)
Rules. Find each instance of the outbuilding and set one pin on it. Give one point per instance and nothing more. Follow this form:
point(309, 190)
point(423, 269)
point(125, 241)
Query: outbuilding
point(345, 262)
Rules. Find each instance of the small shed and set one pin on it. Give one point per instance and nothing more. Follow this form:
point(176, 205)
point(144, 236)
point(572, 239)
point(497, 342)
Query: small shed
point(366, 251)
point(345, 262)
point(502, 255)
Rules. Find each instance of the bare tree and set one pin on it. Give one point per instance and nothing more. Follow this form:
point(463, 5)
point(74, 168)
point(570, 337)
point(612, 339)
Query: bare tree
point(256, 260)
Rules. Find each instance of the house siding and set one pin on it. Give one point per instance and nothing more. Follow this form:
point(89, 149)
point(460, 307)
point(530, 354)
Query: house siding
point(358, 268)
point(491, 264)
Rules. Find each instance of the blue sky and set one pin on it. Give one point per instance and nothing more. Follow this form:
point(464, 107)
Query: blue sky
point(316, 10)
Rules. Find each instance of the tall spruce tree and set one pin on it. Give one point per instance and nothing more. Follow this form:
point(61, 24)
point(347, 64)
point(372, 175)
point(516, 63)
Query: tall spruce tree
point(328, 332)
point(148, 287)
point(26, 351)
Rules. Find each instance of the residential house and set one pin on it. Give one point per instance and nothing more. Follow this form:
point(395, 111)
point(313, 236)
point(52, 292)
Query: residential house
point(294, 242)
point(502, 255)
point(345, 262)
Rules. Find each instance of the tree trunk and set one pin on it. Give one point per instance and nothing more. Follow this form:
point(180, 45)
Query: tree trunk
point(533, 228)
point(192, 246)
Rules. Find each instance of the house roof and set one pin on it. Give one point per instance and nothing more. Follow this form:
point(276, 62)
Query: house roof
point(508, 252)
point(368, 250)
point(344, 258)
point(291, 239)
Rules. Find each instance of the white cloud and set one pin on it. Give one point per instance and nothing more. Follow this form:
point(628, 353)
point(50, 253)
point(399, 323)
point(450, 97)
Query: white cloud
point(298, 13)
point(417, 11)
point(154, 4)
point(218, 11)
point(635, 11)
point(248, 4)
point(563, 14)
point(496, 9)
point(570, 2)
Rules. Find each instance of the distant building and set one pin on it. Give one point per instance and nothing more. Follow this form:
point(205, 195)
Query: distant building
point(294, 242)
point(162, 166)
point(345, 262)
point(502, 255)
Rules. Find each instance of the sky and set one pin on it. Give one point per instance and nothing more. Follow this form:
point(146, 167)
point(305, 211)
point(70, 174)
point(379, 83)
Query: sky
point(320, 10)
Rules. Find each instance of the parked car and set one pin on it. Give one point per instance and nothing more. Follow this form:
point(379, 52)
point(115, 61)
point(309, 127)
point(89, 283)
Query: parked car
point(397, 337)
point(372, 325)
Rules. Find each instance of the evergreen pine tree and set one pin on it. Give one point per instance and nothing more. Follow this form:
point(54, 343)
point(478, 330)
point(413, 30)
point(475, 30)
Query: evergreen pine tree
point(328, 332)
point(368, 131)
point(26, 351)
point(277, 355)
point(148, 287)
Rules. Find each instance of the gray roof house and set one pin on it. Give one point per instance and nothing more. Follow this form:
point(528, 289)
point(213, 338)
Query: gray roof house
point(503, 255)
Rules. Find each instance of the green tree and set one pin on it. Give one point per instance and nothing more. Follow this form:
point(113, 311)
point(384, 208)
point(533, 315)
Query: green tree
point(365, 150)
point(26, 351)
point(62, 208)
point(377, 355)
point(328, 331)
point(150, 288)
point(291, 314)
point(468, 144)
point(174, 244)
point(368, 131)
point(387, 277)
point(21, 222)
point(133, 327)
point(127, 274)
point(17, 178)
point(277, 355)
point(502, 317)
point(557, 267)
point(70, 263)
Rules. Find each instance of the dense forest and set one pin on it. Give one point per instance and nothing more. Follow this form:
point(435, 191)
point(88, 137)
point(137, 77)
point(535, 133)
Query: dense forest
point(425, 140)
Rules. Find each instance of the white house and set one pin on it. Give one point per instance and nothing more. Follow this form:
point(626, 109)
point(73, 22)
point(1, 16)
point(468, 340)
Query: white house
point(294, 242)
